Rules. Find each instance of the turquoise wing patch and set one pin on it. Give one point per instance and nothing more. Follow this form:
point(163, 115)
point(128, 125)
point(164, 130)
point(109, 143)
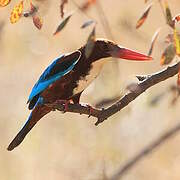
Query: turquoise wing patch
point(50, 75)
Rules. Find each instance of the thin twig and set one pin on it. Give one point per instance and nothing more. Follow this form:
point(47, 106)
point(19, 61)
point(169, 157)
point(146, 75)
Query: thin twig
point(107, 29)
point(83, 12)
point(142, 86)
point(104, 20)
point(146, 151)
point(161, 5)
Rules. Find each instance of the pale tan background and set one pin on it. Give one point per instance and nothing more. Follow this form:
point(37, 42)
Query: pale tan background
point(69, 146)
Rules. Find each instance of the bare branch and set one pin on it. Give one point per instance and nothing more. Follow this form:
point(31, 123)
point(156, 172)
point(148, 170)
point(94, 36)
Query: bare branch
point(147, 150)
point(142, 86)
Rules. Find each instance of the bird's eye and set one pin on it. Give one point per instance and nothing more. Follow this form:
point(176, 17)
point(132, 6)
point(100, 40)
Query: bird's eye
point(104, 46)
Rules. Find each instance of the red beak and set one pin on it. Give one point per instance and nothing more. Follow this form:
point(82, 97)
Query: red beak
point(129, 54)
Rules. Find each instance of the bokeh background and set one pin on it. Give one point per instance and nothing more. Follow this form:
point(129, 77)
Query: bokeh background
point(69, 146)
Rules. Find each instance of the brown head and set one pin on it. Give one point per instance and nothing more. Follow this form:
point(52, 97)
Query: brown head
point(105, 48)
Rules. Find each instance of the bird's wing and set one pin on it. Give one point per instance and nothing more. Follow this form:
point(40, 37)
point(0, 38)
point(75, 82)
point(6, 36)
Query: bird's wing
point(59, 67)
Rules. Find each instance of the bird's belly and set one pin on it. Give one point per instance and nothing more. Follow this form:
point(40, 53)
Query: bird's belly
point(94, 71)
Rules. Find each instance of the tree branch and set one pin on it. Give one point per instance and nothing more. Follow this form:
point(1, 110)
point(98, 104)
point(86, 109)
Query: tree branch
point(147, 150)
point(145, 83)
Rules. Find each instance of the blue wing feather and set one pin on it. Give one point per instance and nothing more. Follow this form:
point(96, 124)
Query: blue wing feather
point(47, 78)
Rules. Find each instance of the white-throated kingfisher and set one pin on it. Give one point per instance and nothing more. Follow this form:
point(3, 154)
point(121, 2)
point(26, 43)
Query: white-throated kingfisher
point(67, 77)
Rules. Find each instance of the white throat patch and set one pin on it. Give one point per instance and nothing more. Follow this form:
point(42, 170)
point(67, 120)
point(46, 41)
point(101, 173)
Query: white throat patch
point(93, 73)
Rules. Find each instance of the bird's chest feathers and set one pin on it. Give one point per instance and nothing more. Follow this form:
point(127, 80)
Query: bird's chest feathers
point(93, 72)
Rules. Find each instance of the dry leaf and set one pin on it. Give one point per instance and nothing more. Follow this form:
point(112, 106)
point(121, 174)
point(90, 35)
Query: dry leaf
point(168, 15)
point(33, 10)
point(63, 2)
point(178, 79)
point(169, 38)
point(143, 17)
point(90, 43)
point(87, 23)
point(16, 12)
point(4, 2)
point(168, 55)
point(176, 18)
point(154, 38)
point(62, 24)
point(87, 4)
point(38, 22)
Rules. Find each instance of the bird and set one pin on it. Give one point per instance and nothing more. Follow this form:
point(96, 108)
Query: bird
point(67, 77)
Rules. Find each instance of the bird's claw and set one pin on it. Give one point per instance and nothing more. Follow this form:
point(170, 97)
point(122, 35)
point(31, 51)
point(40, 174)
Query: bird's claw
point(90, 110)
point(53, 109)
point(65, 103)
point(89, 107)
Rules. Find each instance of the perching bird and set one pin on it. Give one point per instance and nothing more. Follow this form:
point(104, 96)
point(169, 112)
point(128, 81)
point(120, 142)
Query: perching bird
point(67, 77)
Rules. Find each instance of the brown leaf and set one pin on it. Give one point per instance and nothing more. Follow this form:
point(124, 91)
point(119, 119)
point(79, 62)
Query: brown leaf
point(90, 43)
point(38, 22)
point(178, 79)
point(169, 20)
point(168, 55)
point(33, 10)
point(154, 38)
point(62, 24)
point(63, 2)
point(143, 17)
point(176, 18)
point(87, 4)
point(169, 38)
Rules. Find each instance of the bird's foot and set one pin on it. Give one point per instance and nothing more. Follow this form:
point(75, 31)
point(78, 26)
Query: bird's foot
point(66, 104)
point(91, 109)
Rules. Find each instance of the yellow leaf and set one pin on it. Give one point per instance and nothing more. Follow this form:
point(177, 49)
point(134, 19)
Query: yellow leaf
point(177, 42)
point(16, 12)
point(4, 2)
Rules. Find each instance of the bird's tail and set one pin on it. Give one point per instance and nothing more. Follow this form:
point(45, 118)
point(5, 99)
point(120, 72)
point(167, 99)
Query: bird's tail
point(37, 113)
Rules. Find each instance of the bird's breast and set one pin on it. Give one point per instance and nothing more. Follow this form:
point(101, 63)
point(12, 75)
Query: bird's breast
point(93, 72)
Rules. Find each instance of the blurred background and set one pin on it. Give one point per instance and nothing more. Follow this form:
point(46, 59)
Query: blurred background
point(69, 146)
